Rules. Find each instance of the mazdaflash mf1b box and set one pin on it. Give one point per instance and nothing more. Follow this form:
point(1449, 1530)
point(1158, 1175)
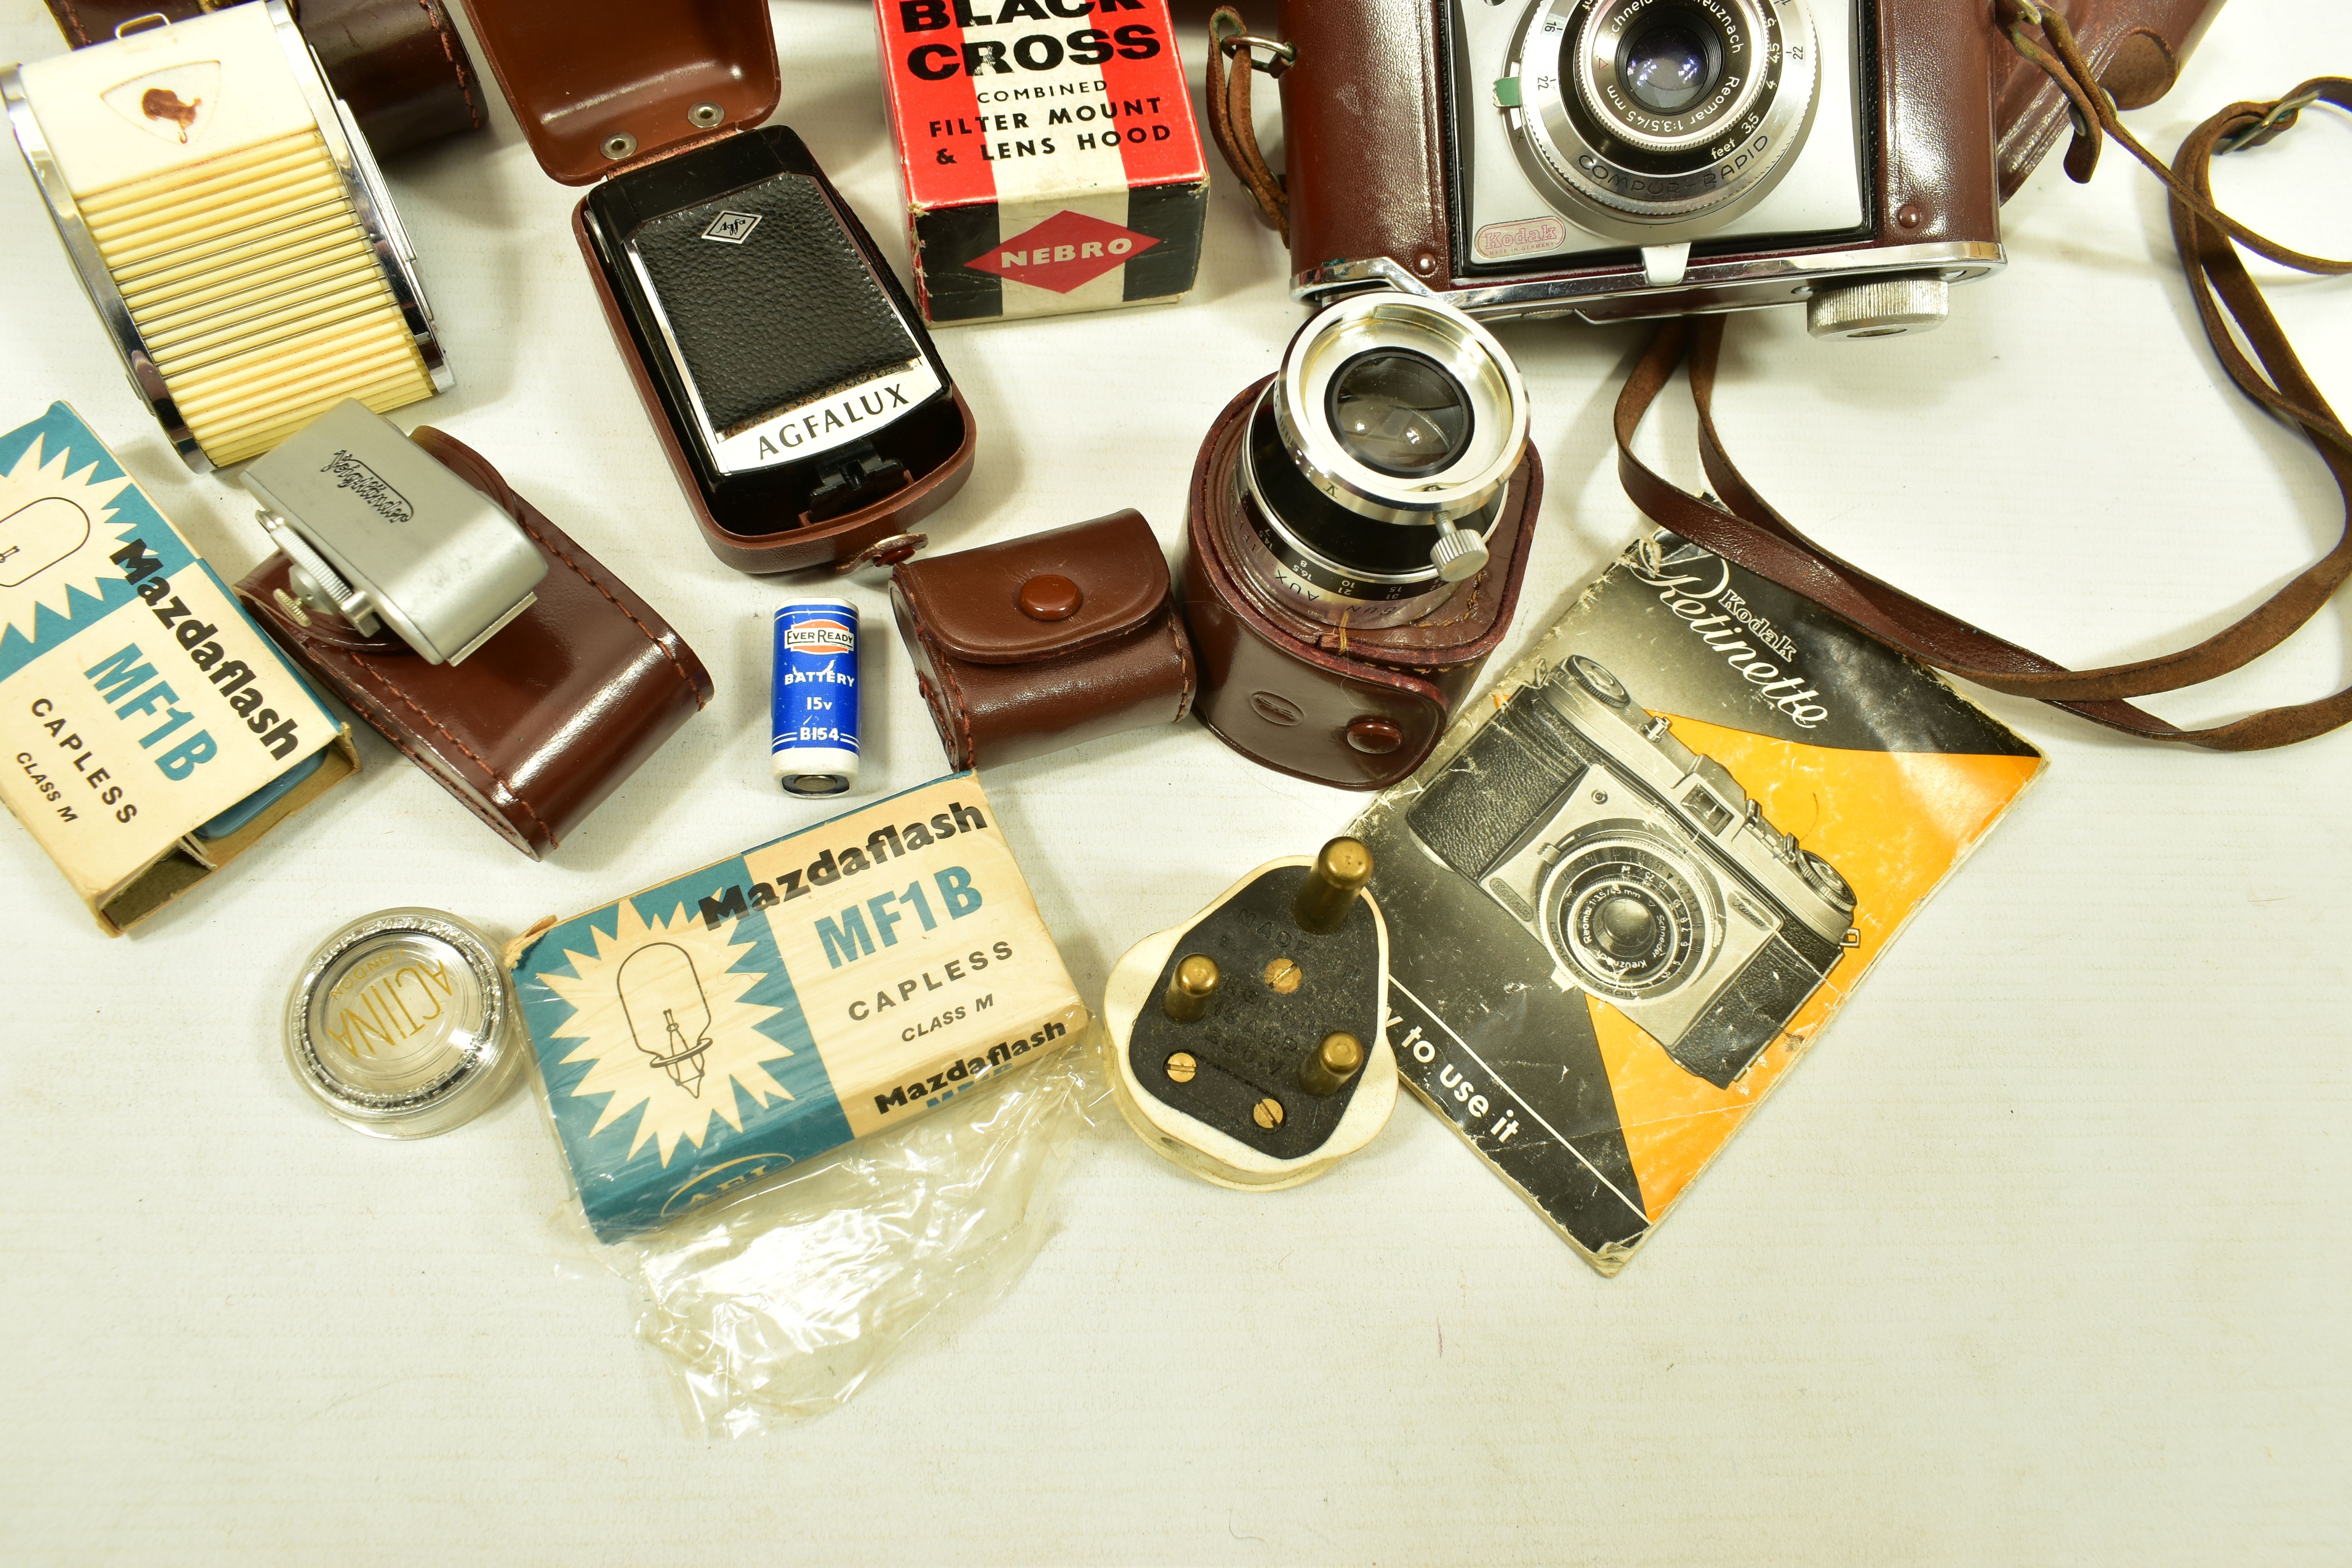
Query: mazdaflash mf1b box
point(1049, 151)
point(152, 733)
point(713, 1031)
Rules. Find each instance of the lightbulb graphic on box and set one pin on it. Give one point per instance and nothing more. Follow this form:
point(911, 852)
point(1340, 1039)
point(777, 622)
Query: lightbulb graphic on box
point(57, 529)
point(669, 1018)
point(662, 1013)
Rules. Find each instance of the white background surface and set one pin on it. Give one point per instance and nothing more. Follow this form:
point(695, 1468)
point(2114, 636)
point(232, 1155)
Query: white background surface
point(2041, 1258)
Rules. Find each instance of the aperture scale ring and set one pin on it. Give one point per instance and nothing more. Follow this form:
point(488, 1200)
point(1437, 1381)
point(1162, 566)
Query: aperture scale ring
point(1588, 165)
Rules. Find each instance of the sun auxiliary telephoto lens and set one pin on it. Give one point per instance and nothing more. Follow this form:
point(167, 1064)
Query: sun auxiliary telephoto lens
point(1400, 412)
point(1377, 462)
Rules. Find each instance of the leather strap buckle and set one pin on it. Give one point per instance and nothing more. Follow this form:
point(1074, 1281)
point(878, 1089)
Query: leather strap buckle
point(1279, 59)
point(2280, 116)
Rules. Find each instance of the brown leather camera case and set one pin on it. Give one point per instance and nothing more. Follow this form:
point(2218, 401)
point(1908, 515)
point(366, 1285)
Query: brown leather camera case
point(546, 719)
point(1365, 146)
point(2136, 47)
point(1356, 710)
point(1035, 644)
point(399, 64)
point(581, 74)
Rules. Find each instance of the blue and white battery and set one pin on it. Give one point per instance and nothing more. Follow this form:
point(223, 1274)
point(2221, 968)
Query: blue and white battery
point(816, 745)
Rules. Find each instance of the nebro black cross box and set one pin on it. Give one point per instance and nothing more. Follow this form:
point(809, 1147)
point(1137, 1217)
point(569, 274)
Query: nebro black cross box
point(1049, 152)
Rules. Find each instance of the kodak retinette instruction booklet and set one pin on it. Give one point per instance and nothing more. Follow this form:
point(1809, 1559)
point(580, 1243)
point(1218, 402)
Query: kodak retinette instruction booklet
point(1632, 883)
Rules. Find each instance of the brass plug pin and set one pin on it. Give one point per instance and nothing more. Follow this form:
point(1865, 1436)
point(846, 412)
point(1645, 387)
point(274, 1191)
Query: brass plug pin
point(1339, 1058)
point(1338, 874)
point(1191, 988)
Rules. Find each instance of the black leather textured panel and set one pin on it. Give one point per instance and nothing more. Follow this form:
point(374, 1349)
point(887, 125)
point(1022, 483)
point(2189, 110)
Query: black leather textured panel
point(786, 314)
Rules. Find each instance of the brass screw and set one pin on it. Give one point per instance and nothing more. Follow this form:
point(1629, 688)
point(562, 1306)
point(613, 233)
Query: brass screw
point(1339, 1058)
point(1284, 976)
point(1181, 1066)
point(1331, 884)
point(1191, 988)
point(1268, 1113)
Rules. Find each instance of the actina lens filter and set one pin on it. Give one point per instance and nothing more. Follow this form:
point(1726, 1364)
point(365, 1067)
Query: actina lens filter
point(402, 1024)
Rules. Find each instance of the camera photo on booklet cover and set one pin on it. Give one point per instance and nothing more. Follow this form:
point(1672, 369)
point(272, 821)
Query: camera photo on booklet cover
point(1630, 887)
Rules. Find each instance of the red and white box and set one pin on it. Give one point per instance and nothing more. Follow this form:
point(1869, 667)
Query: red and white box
point(1050, 160)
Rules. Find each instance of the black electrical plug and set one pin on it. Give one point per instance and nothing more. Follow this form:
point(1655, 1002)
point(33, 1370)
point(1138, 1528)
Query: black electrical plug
point(1249, 1045)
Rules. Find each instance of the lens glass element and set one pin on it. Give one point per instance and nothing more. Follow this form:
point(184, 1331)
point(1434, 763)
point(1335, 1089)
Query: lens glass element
point(1400, 413)
point(1671, 59)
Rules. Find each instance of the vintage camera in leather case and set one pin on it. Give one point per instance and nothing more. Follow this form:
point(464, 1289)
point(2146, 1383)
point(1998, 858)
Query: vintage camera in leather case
point(470, 631)
point(1357, 533)
point(1047, 641)
point(801, 401)
point(1613, 159)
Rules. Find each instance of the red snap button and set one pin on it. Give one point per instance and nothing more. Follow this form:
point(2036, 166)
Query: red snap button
point(1049, 596)
point(1374, 737)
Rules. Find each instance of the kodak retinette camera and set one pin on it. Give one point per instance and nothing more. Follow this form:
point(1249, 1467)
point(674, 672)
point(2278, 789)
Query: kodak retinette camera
point(1651, 879)
point(1613, 159)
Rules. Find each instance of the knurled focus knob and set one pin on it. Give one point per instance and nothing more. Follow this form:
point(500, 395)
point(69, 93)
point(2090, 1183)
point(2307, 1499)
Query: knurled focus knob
point(1458, 553)
point(1879, 308)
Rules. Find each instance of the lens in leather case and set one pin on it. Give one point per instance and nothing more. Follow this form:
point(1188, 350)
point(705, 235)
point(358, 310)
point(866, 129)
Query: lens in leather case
point(1377, 461)
point(1659, 120)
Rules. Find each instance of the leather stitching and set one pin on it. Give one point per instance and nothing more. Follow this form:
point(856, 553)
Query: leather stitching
point(473, 756)
point(1183, 657)
point(439, 22)
point(77, 34)
point(667, 652)
point(955, 703)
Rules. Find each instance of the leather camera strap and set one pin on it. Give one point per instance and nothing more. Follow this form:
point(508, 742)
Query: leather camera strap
point(1742, 527)
point(1231, 63)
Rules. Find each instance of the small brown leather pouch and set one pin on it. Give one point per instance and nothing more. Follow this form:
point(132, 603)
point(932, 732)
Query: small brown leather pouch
point(1037, 644)
point(540, 722)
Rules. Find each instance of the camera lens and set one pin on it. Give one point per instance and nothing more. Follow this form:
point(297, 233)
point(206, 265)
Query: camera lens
point(1659, 120)
point(1400, 413)
point(1671, 60)
point(1625, 928)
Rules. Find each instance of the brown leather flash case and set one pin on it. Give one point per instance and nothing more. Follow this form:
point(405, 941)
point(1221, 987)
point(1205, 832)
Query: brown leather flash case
point(539, 724)
point(1035, 644)
point(795, 389)
point(1354, 709)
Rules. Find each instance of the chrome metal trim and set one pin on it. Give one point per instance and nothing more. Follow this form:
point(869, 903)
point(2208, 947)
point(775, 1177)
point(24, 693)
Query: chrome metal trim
point(1589, 187)
point(138, 364)
point(1709, 287)
point(364, 188)
point(1428, 325)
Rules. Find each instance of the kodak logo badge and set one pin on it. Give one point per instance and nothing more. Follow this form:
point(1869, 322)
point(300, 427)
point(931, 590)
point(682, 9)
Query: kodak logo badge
point(1064, 251)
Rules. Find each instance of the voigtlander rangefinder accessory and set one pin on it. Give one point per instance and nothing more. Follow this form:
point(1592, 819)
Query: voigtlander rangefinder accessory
point(1650, 877)
point(456, 618)
point(379, 532)
point(229, 225)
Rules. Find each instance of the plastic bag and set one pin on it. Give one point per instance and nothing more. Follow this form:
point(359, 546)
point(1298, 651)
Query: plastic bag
point(784, 1301)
